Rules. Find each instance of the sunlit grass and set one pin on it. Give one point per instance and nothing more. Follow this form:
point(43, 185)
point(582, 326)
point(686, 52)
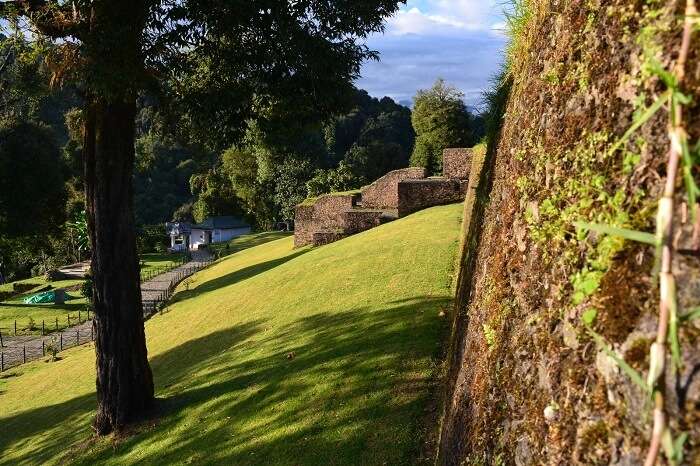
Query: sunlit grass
point(272, 356)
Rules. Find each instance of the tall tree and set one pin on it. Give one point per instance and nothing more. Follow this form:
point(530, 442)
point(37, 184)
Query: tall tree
point(441, 120)
point(226, 58)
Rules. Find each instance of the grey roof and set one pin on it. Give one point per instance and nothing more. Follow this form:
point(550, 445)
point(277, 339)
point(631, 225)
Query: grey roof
point(222, 223)
point(212, 223)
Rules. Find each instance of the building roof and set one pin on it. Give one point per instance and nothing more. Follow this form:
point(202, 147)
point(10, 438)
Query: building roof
point(212, 223)
point(222, 223)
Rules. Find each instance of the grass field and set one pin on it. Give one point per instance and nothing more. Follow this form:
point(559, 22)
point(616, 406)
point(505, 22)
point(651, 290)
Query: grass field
point(273, 356)
point(247, 241)
point(14, 310)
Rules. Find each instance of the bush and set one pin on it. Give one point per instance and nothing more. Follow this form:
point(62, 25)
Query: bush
point(152, 238)
point(86, 288)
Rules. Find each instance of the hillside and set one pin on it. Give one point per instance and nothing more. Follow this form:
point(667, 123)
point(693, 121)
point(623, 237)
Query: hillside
point(271, 356)
point(529, 383)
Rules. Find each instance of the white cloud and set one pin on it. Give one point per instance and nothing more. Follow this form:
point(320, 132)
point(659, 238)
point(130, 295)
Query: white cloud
point(445, 17)
point(459, 40)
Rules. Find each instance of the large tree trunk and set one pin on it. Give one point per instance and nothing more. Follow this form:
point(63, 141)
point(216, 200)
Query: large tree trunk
point(124, 378)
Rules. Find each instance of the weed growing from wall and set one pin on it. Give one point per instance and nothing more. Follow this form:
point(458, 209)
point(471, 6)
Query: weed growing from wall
point(680, 159)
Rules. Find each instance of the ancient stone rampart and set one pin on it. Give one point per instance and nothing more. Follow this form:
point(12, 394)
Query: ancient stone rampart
point(415, 195)
point(456, 163)
point(332, 217)
point(383, 193)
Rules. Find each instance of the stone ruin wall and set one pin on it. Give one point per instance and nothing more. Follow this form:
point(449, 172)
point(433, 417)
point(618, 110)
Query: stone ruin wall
point(415, 195)
point(456, 163)
point(398, 193)
point(383, 193)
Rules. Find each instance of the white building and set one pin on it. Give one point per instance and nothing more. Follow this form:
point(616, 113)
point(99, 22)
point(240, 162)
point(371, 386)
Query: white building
point(212, 230)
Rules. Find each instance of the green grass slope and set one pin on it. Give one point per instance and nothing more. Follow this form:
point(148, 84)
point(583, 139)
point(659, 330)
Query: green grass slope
point(273, 356)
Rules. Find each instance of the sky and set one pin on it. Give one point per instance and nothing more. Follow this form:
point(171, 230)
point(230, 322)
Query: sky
point(459, 40)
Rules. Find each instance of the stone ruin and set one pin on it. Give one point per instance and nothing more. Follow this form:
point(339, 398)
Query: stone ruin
point(334, 216)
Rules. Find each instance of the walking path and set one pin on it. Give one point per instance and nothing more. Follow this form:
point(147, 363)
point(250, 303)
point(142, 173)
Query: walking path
point(154, 292)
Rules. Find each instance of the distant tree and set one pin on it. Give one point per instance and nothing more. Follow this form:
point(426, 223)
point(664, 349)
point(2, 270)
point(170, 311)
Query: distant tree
point(215, 195)
point(332, 180)
point(225, 60)
point(290, 188)
point(32, 191)
point(441, 120)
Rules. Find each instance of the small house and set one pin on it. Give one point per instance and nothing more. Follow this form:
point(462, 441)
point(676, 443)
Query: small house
point(184, 236)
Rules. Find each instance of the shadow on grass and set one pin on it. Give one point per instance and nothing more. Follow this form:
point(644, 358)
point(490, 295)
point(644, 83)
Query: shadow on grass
point(248, 241)
point(51, 428)
point(332, 388)
point(69, 307)
point(236, 276)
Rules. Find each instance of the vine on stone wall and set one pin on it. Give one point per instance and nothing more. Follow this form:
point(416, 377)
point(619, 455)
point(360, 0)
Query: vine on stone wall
point(680, 157)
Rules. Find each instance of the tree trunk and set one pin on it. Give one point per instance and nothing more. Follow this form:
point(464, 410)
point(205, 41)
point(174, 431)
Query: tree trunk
point(124, 378)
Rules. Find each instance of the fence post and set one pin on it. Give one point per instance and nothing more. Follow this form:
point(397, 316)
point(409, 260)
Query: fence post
point(79, 321)
point(57, 324)
point(2, 361)
point(43, 328)
point(43, 348)
point(24, 354)
point(61, 341)
point(68, 320)
point(15, 327)
point(92, 333)
point(77, 337)
point(2, 345)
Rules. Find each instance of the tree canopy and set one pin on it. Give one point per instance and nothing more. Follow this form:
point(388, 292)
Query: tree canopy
point(216, 64)
point(441, 120)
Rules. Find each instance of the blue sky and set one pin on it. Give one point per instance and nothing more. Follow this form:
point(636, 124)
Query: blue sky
point(459, 40)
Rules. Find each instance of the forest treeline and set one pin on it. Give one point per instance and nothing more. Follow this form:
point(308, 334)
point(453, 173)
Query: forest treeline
point(187, 168)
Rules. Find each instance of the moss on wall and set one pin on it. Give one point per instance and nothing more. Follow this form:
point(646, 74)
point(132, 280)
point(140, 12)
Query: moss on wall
point(581, 73)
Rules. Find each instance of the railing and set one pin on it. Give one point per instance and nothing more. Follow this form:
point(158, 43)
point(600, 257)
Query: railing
point(18, 353)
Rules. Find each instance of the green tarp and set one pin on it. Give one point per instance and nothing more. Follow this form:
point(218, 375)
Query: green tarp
point(47, 297)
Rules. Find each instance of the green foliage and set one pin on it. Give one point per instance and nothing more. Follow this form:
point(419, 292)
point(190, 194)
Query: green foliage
point(151, 238)
point(630, 235)
point(589, 316)
point(489, 336)
point(32, 192)
point(328, 181)
point(585, 283)
point(441, 120)
point(86, 288)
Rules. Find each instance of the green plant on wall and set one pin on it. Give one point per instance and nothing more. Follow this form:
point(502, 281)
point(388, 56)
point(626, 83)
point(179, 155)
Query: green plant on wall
point(680, 162)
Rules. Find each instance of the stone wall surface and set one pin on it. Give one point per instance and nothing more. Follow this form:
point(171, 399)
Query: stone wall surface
point(456, 163)
point(303, 225)
point(383, 193)
point(358, 220)
point(398, 193)
point(415, 195)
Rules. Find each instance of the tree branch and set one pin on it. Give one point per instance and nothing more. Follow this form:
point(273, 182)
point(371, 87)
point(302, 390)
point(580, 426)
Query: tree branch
point(5, 62)
point(50, 18)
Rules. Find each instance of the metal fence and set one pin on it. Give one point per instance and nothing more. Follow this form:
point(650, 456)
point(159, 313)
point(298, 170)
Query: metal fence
point(49, 344)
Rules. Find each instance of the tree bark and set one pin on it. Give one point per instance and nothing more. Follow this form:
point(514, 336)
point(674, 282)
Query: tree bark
point(124, 377)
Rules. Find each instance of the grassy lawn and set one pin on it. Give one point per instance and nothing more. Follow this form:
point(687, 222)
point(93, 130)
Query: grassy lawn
point(246, 241)
point(273, 356)
point(14, 310)
point(155, 263)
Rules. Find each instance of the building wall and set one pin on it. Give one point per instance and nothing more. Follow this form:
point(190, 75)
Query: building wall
point(220, 236)
point(398, 193)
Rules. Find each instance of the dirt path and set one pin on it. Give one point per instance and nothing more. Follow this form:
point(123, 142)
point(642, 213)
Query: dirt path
point(20, 349)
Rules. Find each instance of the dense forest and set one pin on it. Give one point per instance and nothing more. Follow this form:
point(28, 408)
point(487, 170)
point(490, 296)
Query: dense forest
point(184, 173)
